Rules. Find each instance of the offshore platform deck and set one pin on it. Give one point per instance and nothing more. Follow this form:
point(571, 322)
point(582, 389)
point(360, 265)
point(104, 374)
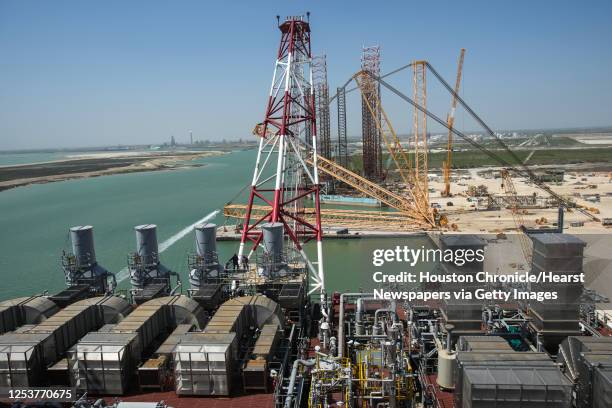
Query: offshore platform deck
point(263, 330)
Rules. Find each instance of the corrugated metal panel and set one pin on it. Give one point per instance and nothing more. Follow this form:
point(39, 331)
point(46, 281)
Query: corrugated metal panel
point(506, 360)
point(484, 387)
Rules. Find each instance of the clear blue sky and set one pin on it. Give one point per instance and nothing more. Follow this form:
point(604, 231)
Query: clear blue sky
point(82, 73)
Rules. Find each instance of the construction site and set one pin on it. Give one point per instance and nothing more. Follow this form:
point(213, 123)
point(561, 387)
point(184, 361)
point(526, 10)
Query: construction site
point(265, 330)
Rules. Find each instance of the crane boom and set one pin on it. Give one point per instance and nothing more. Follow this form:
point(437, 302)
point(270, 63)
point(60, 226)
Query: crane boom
point(451, 121)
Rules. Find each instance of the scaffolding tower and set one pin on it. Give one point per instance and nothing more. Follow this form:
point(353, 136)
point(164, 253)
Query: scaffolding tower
point(342, 153)
point(321, 90)
point(372, 152)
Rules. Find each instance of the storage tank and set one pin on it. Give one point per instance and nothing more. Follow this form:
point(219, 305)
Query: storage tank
point(446, 361)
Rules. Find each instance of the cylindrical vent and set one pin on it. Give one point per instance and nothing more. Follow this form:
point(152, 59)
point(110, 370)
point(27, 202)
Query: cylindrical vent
point(83, 244)
point(206, 240)
point(146, 242)
point(273, 240)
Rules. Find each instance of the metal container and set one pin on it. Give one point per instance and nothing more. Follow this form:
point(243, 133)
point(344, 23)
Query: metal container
point(83, 245)
point(20, 364)
point(556, 245)
point(204, 364)
point(490, 359)
point(25, 310)
point(446, 362)
point(168, 346)
point(580, 356)
point(146, 243)
point(206, 240)
point(483, 343)
point(273, 240)
point(104, 363)
point(182, 309)
point(485, 387)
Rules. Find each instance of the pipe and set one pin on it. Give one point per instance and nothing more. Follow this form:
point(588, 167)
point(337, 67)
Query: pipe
point(341, 319)
point(179, 283)
point(296, 363)
point(383, 310)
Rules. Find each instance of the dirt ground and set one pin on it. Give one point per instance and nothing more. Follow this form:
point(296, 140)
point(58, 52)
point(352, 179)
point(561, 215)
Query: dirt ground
point(575, 185)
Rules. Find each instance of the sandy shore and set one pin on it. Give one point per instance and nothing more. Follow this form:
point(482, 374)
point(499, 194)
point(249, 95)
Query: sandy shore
point(97, 164)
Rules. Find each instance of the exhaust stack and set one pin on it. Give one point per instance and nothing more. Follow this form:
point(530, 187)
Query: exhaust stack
point(204, 264)
point(149, 278)
point(81, 267)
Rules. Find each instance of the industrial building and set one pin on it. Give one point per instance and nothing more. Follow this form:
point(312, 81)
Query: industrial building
point(265, 331)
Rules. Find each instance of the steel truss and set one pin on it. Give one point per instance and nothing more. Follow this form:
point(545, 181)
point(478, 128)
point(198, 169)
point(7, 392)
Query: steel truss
point(282, 179)
point(372, 152)
point(319, 74)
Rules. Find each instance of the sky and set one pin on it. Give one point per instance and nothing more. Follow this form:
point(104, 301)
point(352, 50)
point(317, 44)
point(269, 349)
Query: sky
point(76, 73)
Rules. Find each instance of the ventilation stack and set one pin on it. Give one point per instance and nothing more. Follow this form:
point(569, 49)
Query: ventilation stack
point(465, 316)
point(204, 264)
point(149, 278)
point(205, 272)
point(554, 320)
point(81, 268)
point(272, 262)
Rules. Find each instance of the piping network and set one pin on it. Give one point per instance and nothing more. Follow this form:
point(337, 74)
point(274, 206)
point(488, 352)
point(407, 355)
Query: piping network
point(124, 273)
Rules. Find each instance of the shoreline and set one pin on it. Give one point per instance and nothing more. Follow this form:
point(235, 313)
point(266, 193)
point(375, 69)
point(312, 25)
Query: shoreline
point(97, 165)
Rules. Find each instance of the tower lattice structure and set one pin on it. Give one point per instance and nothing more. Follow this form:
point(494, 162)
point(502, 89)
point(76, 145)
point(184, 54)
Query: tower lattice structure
point(282, 177)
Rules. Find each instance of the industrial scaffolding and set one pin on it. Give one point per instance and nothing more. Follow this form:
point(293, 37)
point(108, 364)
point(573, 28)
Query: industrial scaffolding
point(321, 91)
point(372, 152)
point(342, 153)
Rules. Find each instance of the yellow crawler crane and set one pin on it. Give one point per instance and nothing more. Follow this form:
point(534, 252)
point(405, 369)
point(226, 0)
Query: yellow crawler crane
point(379, 220)
point(451, 122)
point(408, 217)
point(421, 165)
point(519, 221)
point(417, 192)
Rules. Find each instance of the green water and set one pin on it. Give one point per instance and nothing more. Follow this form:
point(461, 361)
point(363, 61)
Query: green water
point(34, 222)
point(11, 159)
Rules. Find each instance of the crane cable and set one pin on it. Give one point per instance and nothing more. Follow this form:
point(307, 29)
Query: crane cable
point(525, 172)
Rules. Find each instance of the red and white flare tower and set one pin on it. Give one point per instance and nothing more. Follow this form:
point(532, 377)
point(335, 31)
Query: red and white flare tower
point(287, 155)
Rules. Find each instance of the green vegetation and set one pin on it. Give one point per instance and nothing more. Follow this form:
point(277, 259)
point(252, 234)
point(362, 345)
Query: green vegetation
point(476, 158)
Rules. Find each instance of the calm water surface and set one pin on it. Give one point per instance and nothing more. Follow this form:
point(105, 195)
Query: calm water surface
point(34, 222)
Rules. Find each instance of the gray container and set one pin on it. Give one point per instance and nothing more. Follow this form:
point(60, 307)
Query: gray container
point(206, 240)
point(273, 240)
point(204, 364)
point(25, 310)
point(20, 365)
point(519, 387)
point(146, 243)
point(557, 245)
point(83, 245)
point(494, 359)
point(483, 343)
point(104, 364)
